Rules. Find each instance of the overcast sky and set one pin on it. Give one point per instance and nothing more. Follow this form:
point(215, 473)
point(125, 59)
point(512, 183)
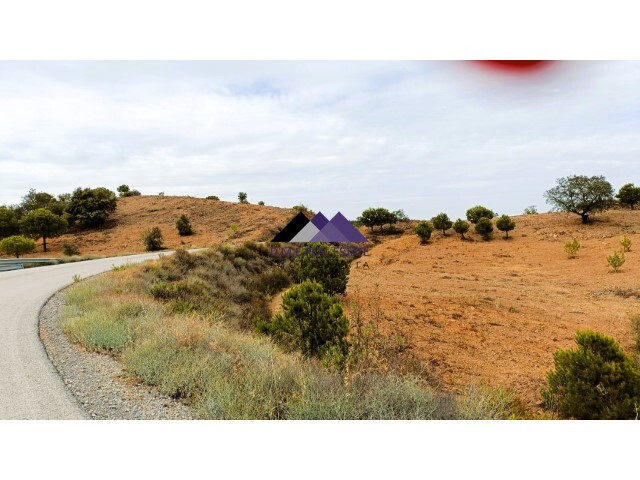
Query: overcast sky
point(422, 136)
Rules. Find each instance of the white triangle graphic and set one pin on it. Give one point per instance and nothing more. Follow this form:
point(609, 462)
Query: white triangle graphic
point(306, 234)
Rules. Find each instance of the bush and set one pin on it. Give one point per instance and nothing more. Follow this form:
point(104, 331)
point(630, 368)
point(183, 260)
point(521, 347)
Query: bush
point(474, 214)
point(616, 260)
point(125, 191)
point(581, 195)
point(424, 230)
point(70, 249)
point(572, 248)
point(9, 225)
point(44, 224)
point(261, 203)
point(377, 217)
point(461, 227)
point(484, 227)
point(595, 381)
point(152, 239)
point(531, 210)
point(629, 195)
point(242, 197)
point(90, 207)
point(400, 215)
point(505, 224)
point(320, 263)
point(312, 321)
point(213, 197)
point(635, 325)
point(625, 243)
point(17, 245)
point(184, 226)
point(442, 222)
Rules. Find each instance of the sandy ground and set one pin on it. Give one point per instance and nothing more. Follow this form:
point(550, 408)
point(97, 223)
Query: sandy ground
point(496, 311)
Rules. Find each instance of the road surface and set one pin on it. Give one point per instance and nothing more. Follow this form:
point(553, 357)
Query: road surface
point(30, 387)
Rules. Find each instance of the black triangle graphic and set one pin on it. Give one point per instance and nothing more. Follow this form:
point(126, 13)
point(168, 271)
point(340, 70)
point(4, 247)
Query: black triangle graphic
point(292, 228)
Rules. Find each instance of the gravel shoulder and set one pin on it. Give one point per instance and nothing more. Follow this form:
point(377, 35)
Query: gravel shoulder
point(99, 383)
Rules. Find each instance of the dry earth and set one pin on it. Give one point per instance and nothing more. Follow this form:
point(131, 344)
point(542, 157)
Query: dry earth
point(496, 311)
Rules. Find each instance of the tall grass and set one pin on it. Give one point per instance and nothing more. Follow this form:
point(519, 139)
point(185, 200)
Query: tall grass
point(204, 356)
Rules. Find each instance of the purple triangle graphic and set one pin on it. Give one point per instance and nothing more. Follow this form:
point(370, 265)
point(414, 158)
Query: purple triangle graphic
point(319, 220)
point(347, 230)
point(329, 233)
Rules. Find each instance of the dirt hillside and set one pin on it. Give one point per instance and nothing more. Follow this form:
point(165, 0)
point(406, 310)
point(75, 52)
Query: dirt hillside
point(496, 311)
point(212, 221)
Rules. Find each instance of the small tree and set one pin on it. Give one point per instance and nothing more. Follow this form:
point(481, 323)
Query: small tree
point(125, 191)
point(9, 224)
point(531, 210)
point(474, 214)
point(424, 230)
point(616, 260)
point(505, 224)
point(43, 224)
point(442, 222)
point(311, 321)
point(184, 226)
point(581, 195)
point(320, 263)
point(213, 197)
point(572, 247)
point(629, 195)
point(377, 217)
point(596, 381)
point(400, 215)
point(485, 228)
point(242, 197)
point(17, 245)
point(70, 249)
point(461, 227)
point(90, 207)
point(625, 243)
point(261, 203)
point(153, 239)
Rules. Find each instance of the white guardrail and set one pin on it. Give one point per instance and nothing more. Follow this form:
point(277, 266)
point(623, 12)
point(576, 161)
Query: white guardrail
point(19, 263)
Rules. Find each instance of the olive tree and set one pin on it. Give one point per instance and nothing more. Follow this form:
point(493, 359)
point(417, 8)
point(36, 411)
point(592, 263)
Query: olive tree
point(43, 224)
point(581, 195)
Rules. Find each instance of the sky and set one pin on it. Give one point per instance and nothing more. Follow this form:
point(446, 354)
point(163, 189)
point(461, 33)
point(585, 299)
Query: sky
point(427, 137)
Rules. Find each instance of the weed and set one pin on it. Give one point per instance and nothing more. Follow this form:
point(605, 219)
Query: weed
point(572, 248)
point(615, 261)
point(625, 243)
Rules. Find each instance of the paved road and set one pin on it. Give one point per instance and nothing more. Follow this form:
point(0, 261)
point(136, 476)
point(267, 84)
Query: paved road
point(30, 387)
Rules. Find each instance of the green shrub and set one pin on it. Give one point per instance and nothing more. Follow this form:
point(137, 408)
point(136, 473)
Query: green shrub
point(635, 325)
point(629, 195)
point(184, 226)
point(242, 197)
point(321, 263)
point(17, 245)
point(43, 223)
point(531, 210)
point(213, 197)
point(261, 203)
point(70, 249)
point(461, 227)
point(377, 217)
point(572, 248)
point(272, 281)
point(474, 214)
point(125, 191)
point(90, 207)
point(581, 195)
point(9, 224)
point(152, 239)
point(616, 260)
point(311, 321)
point(442, 222)
point(401, 216)
point(505, 224)
point(595, 381)
point(484, 227)
point(625, 243)
point(424, 230)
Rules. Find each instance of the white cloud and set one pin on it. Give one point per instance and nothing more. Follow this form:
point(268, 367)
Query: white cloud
point(423, 136)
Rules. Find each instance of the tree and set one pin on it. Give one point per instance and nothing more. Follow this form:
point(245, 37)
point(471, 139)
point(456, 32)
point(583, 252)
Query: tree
point(242, 197)
point(261, 203)
point(442, 222)
point(424, 230)
point(320, 263)
point(581, 195)
point(505, 224)
point(184, 226)
point(461, 227)
point(311, 321)
point(531, 210)
point(615, 261)
point(17, 245)
point(485, 228)
point(377, 217)
point(44, 224)
point(153, 239)
point(212, 197)
point(400, 215)
point(474, 214)
point(90, 207)
point(9, 224)
point(595, 381)
point(125, 191)
point(629, 195)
